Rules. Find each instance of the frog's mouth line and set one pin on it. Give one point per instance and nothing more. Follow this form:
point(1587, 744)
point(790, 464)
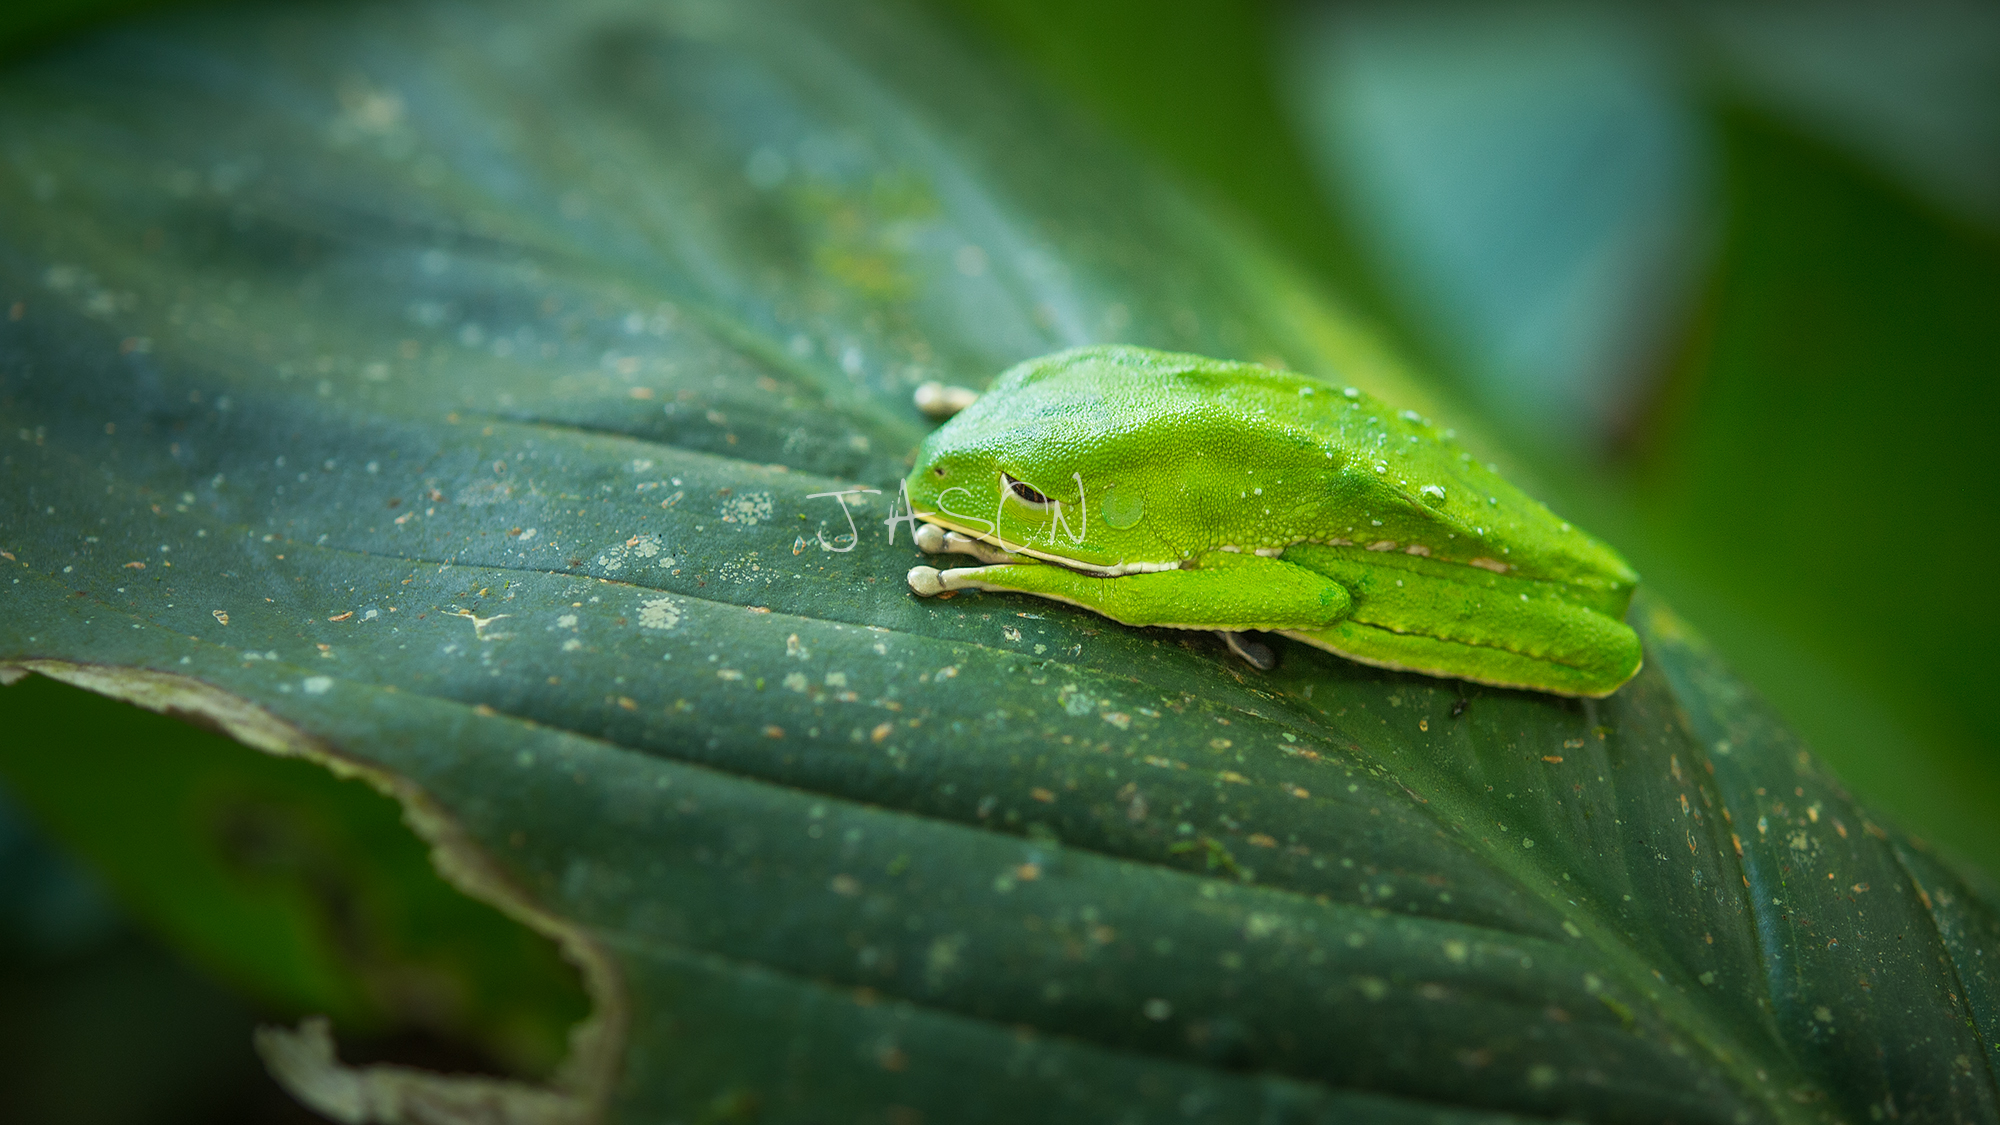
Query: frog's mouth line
point(1114, 570)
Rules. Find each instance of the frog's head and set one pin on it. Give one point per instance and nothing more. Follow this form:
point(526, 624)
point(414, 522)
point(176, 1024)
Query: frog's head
point(1093, 457)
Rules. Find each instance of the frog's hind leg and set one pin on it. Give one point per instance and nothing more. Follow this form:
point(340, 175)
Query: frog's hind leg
point(1561, 673)
point(1255, 653)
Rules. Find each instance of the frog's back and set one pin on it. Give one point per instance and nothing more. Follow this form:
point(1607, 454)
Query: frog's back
point(1402, 484)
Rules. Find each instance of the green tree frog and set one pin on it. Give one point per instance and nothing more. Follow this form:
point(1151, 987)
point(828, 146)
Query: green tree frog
point(1179, 491)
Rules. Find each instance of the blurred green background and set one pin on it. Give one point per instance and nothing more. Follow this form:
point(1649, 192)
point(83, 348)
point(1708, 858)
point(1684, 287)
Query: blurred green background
point(1724, 278)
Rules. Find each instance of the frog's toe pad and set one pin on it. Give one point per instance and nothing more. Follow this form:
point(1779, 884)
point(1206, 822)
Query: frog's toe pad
point(931, 539)
point(937, 400)
point(926, 581)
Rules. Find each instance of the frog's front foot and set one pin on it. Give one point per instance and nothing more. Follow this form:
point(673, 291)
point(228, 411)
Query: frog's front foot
point(1255, 653)
point(926, 581)
point(931, 539)
point(935, 540)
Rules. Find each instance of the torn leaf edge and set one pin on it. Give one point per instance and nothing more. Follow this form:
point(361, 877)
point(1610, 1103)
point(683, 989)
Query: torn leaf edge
point(303, 1060)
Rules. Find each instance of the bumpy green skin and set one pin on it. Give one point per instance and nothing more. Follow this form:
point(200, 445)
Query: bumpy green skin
point(1192, 493)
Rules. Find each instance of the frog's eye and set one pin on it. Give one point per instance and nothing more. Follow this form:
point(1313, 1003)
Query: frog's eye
point(1024, 492)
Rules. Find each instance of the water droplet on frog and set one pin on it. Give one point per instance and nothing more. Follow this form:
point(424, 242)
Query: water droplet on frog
point(1123, 509)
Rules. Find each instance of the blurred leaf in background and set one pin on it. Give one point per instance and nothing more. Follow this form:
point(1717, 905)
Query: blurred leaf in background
point(28, 24)
point(48, 905)
point(1910, 89)
point(1729, 271)
point(1533, 183)
point(99, 1024)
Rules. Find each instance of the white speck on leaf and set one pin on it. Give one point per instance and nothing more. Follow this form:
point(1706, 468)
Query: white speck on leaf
point(748, 509)
point(659, 613)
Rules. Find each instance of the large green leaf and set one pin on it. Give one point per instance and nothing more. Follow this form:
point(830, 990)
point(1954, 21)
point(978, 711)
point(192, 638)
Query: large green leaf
point(444, 393)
